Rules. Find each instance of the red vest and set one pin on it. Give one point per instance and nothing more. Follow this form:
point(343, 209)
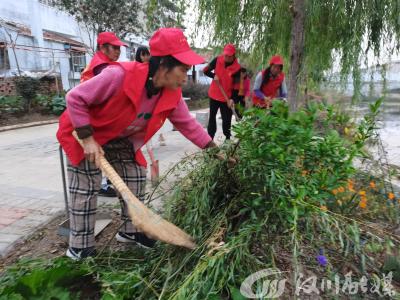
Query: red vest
point(112, 117)
point(270, 89)
point(225, 79)
point(98, 59)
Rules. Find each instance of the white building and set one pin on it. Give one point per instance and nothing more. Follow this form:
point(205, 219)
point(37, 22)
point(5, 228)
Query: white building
point(199, 75)
point(46, 40)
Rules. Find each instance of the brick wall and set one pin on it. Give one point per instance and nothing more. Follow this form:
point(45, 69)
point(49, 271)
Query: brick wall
point(7, 86)
point(47, 86)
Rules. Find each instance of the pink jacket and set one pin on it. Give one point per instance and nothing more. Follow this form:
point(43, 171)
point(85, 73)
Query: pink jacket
point(101, 87)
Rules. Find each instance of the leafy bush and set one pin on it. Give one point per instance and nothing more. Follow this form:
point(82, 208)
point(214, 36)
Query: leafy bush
point(44, 101)
point(46, 280)
point(58, 105)
point(27, 87)
point(195, 91)
point(11, 104)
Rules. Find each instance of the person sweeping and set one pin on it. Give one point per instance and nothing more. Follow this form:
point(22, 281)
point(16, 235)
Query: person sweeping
point(114, 114)
point(221, 69)
point(269, 84)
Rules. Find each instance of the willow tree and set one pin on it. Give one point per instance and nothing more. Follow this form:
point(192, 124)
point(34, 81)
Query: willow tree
point(342, 31)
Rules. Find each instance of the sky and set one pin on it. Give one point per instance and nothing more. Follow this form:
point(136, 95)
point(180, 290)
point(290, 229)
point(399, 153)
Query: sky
point(198, 39)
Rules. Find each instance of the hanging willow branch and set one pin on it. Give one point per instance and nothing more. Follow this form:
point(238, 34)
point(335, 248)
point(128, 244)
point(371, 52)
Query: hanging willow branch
point(341, 30)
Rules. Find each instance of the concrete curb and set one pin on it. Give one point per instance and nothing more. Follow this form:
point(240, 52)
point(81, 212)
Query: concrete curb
point(26, 125)
point(52, 121)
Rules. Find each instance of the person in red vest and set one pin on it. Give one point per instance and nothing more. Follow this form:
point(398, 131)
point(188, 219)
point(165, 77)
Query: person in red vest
point(224, 66)
point(108, 51)
point(241, 90)
point(114, 114)
point(269, 84)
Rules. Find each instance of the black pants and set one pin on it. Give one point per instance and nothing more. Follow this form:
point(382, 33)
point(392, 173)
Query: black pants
point(239, 103)
point(226, 114)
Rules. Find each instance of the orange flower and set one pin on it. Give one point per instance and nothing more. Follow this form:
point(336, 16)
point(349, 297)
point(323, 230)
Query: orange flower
point(323, 208)
point(363, 198)
point(362, 193)
point(363, 204)
point(341, 189)
point(334, 191)
point(372, 185)
point(350, 185)
point(391, 196)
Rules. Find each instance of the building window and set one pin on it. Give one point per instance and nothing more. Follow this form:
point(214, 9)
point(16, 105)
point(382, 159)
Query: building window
point(77, 61)
point(4, 61)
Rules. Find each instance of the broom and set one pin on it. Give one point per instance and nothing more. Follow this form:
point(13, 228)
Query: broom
point(142, 217)
point(227, 99)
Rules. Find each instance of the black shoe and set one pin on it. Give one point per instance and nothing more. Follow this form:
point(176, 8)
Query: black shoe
point(138, 237)
point(78, 254)
point(109, 192)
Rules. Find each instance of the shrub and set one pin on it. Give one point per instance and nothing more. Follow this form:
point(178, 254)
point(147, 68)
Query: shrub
point(27, 87)
point(58, 105)
point(43, 101)
point(195, 91)
point(11, 104)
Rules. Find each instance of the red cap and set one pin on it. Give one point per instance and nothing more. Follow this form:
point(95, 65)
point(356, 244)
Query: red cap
point(109, 38)
point(229, 49)
point(172, 41)
point(276, 60)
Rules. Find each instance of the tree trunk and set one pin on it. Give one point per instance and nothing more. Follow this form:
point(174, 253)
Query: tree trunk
point(296, 51)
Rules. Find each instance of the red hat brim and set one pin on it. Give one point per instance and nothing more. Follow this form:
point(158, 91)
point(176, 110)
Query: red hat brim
point(117, 43)
point(189, 58)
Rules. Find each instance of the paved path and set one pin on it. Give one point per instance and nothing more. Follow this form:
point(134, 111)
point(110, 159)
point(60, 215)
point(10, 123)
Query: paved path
point(31, 192)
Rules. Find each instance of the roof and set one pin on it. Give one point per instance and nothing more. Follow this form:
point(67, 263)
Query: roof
point(136, 39)
point(18, 27)
point(58, 37)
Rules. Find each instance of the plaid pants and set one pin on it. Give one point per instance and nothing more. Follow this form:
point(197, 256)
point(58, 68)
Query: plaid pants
point(85, 183)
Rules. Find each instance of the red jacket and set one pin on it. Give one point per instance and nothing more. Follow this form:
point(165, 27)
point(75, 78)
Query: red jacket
point(225, 79)
point(271, 89)
point(112, 117)
point(98, 59)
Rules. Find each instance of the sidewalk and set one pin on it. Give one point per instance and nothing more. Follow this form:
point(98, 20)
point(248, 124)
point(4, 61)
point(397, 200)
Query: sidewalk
point(30, 177)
